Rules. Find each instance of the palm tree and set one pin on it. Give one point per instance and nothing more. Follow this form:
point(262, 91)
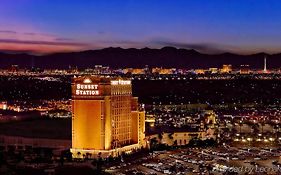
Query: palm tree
point(79, 154)
point(88, 155)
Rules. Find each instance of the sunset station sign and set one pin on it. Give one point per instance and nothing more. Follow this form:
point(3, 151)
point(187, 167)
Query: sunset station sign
point(87, 89)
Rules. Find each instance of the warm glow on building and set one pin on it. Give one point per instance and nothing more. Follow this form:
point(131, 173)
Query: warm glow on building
point(106, 118)
point(213, 70)
point(199, 71)
point(3, 105)
point(163, 71)
point(134, 71)
point(226, 68)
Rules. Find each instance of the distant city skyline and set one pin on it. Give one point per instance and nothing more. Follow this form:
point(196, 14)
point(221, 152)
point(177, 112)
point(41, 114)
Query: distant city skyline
point(237, 26)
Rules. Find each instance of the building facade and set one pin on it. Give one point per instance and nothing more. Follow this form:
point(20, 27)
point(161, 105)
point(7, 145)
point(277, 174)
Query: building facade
point(106, 119)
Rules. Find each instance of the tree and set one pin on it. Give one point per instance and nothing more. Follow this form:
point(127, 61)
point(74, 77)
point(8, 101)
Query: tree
point(2, 158)
point(110, 158)
point(79, 154)
point(61, 160)
point(209, 142)
point(88, 156)
point(209, 168)
point(195, 142)
point(160, 136)
point(68, 155)
point(171, 136)
point(153, 143)
point(99, 163)
point(175, 142)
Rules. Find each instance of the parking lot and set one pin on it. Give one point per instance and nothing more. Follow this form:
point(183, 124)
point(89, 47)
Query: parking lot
point(205, 161)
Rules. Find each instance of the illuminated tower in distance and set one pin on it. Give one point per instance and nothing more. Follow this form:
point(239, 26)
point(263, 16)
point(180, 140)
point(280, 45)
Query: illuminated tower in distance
point(264, 65)
point(106, 119)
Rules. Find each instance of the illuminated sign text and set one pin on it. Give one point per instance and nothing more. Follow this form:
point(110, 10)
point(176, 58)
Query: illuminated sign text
point(87, 89)
point(120, 82)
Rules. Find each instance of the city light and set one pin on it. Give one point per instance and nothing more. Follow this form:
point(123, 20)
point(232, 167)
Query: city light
point(140, 87)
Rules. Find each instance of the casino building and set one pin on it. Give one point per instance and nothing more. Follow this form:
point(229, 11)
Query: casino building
point(106, 118)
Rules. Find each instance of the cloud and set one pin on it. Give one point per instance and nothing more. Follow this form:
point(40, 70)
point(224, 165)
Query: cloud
point(29, 33)
point(38, 48)
point(12, 34)
point(54, 43)
point(26, 39)
point(122, 42)
point(63, 39)
point(7, 50)
point(38, 34)
point(101, 32)
point(8, 31)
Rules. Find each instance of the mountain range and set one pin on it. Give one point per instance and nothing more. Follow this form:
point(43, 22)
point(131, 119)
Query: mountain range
point(132, 57)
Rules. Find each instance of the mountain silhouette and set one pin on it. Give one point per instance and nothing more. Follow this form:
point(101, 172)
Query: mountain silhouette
point(132, 57)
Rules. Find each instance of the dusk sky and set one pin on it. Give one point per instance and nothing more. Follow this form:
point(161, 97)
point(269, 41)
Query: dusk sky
point(210, 26)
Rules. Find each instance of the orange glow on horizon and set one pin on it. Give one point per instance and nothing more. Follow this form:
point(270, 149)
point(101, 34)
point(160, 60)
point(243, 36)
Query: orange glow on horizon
point(40, 48)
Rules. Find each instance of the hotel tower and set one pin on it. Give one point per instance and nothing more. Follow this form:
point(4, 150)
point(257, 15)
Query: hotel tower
point(106, 118)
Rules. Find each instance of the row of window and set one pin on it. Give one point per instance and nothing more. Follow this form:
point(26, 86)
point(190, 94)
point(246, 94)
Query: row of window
point(123, 130)
point(116, 90)
point(121, 111)
point(121, 92)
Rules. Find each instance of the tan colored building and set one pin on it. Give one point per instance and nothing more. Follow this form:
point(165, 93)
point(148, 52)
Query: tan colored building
point(163, 71)
point(133, 71)
point(106, 117)
point(138, 71)
point(199, 71)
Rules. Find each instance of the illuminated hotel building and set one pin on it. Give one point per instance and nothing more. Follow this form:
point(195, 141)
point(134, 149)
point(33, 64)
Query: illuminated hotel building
point(244, 69)
point(226, 68)
point(106, 118)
